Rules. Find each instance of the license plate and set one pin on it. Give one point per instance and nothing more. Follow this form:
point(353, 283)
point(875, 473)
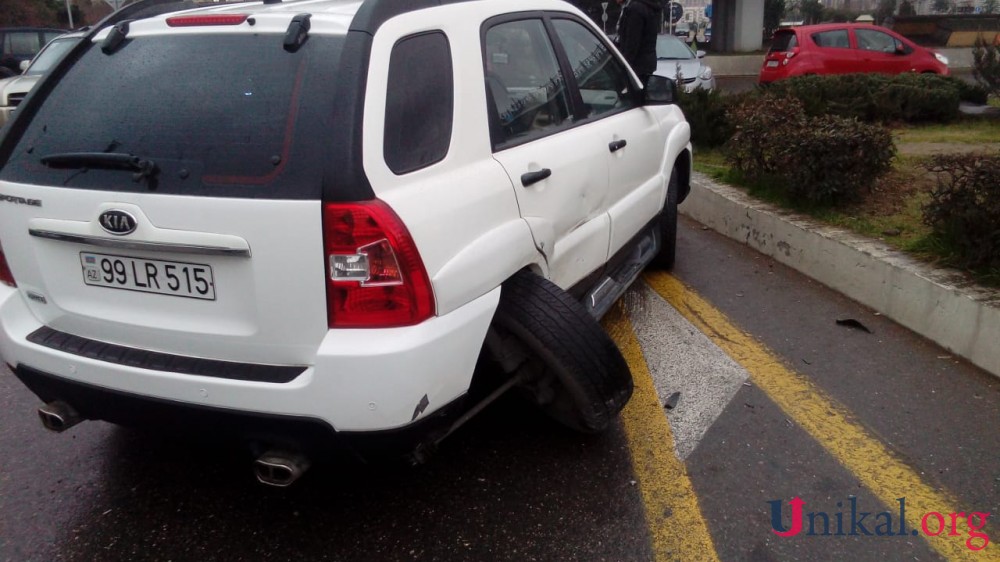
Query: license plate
point(178, 279)
point(772, 64)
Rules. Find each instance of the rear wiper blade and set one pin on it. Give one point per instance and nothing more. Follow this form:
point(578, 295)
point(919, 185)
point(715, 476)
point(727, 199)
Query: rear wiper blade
point(143, 168)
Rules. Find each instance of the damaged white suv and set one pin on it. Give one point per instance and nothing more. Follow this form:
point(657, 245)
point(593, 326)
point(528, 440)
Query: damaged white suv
point(332, 221)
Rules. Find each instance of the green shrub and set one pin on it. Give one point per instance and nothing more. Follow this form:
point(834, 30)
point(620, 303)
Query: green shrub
point(972, 93)
point(847, 95)
point(815, 161)
point(914, 98)
point(762, 127)
point(836, 160)
point(707, 114)
point(876, 97)
point(964, 210)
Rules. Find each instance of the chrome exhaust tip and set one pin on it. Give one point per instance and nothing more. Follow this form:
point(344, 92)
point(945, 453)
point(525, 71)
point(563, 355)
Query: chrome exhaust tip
point(58, 416)
point(280, 469)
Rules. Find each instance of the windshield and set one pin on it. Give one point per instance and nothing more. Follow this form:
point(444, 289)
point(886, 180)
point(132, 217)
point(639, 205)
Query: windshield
point(50, 55)
point(229, 115)
point(671, 48)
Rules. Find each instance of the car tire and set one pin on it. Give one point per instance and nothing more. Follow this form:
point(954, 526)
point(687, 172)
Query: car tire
point(668, 226)
point(570, 367)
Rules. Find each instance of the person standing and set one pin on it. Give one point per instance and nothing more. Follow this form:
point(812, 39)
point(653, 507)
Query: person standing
point(637, 29)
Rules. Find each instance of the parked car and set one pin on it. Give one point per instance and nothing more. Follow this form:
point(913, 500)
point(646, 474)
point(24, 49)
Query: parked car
point(842, 48)
point(14, 89)
point(676, 60)
point(301, 236)
point(21, 44)
point(683, 30)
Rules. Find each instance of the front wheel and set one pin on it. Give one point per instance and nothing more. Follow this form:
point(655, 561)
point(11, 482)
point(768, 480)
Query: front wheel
point(668, 226)
point(570, 367)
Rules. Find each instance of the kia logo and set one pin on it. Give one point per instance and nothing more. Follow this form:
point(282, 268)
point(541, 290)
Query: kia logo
point(117, 222)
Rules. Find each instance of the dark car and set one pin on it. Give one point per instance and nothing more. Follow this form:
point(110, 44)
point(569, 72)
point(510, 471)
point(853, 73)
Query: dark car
point(21, 44)
point(844, 48)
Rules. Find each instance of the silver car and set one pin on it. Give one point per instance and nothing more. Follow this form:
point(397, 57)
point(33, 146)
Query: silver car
point(675, 60)
point(14, 89)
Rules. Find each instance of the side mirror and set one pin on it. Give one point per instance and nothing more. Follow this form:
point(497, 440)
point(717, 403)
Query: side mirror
point(700, 54)
point(660, 90)
point(900, 49)
point(24, 65)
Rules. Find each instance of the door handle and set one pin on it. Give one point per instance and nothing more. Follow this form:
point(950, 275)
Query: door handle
point(615, 146)
point(529, 178)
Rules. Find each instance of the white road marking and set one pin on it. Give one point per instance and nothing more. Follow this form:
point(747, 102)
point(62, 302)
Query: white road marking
point(682, 359)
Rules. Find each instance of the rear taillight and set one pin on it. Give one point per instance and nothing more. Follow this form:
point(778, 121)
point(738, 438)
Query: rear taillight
point(375, 277)
point(6, 277)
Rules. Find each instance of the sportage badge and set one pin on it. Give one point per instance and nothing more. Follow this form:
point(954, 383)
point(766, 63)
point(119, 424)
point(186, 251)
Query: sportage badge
point(117, 222)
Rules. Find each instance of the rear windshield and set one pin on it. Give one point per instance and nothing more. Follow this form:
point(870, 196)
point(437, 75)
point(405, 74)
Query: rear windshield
point(783, 41)
point(230, 115)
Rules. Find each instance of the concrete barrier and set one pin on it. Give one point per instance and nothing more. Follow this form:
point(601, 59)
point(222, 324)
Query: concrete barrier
point(939, 305)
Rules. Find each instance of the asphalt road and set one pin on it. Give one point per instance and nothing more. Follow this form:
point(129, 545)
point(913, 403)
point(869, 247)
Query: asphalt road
point(776, 401)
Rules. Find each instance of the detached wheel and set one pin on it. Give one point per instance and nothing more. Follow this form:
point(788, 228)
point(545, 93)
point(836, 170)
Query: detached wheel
point(572, 370)
point(668, 226)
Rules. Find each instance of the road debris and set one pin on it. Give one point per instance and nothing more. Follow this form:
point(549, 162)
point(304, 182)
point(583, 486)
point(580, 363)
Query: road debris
point(852, 323)
point(671, 402)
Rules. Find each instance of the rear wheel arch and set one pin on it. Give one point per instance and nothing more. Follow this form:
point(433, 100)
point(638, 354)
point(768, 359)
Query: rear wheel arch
point(682, 167)
point(565, 361)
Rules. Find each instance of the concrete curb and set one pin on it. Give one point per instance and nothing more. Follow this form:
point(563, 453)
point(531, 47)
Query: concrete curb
point(939, 305)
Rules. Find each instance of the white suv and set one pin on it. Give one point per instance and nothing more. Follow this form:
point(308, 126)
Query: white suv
point(332, 221)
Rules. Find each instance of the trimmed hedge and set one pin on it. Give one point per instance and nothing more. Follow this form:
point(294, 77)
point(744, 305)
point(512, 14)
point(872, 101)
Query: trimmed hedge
point(877, 97)
point(815, 161)
point(872, 98)
point(964, 210)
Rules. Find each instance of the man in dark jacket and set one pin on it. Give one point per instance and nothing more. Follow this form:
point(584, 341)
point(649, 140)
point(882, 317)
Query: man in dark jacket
point(637, 29)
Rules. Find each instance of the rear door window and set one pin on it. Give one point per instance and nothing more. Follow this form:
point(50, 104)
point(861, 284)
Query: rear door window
point(871, 40)
point(219, 115)
point(526, 89)
point(836, 39)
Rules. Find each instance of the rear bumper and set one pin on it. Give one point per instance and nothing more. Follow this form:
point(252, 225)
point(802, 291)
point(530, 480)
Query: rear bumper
point(360, 381)
point(260, 432)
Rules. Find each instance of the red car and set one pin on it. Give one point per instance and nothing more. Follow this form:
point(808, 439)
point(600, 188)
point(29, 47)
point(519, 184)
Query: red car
point(842, 48)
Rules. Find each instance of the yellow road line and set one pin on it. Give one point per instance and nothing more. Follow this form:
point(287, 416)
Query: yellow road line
point(676, 526)
point(827, 421)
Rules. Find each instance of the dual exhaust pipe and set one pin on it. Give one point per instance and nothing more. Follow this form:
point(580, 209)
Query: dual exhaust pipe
point(274, 468)
point(279, 468)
